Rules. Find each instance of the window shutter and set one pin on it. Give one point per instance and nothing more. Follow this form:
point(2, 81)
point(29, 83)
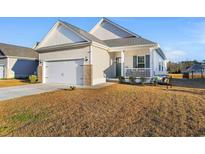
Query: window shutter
point(147, 61)
point(134, 61)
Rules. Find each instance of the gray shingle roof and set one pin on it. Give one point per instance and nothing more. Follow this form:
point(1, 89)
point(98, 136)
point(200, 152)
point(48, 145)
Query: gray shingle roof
point(195, 67)
point(128, 42)
point(85, 34)
point(18, 51)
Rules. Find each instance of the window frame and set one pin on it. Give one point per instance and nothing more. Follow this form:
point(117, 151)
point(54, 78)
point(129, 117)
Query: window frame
point(140, 63)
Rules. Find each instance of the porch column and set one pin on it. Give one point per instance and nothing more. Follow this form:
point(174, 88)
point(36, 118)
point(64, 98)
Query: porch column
point(151, 62)
point(122, 62)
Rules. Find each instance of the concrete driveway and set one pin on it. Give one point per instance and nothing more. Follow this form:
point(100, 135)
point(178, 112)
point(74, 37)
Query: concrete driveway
point(26, 90)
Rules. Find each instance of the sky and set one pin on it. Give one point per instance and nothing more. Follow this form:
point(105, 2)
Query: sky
point(180, 38)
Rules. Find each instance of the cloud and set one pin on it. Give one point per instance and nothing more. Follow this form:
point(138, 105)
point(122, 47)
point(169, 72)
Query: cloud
point(176, 55)
point(197, 33)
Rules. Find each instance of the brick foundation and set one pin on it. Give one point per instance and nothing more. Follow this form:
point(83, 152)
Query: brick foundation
point(40, 71)
point(87, 75)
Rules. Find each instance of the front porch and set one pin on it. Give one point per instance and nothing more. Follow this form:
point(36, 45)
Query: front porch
point(135, 63)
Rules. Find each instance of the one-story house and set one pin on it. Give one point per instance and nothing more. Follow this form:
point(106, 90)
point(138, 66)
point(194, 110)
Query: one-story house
point(195, 71)
point(17, 61)
point(68, 54)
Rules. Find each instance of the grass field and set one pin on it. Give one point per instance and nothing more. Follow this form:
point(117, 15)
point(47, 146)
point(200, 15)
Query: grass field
point(12, 82)
point(117, 110)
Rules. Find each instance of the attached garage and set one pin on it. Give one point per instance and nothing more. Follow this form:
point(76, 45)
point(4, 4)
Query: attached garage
point(65, 71)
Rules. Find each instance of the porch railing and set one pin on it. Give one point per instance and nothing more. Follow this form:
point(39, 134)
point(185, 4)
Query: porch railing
point(137, 72)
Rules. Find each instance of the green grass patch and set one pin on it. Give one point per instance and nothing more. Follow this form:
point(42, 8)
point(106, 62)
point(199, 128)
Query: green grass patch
point(25, 117)
point(5, 129)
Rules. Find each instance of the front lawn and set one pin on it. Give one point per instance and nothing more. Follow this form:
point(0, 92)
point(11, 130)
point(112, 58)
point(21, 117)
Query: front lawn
point(12, 82)
point(117, 110)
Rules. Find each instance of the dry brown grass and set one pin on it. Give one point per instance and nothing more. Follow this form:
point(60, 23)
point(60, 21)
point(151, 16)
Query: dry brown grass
point(118, 110)
point(12, 82)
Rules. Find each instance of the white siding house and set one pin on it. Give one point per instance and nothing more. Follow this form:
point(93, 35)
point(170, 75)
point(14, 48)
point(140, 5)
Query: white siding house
point(70, 55)
point(17, 61)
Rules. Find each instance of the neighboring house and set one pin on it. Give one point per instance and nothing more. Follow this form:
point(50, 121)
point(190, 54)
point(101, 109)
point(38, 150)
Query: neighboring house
point(68, 54)
point(17, 61)
point(195, 71)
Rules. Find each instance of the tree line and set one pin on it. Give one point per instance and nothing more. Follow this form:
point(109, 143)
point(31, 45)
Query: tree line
point(179, 67)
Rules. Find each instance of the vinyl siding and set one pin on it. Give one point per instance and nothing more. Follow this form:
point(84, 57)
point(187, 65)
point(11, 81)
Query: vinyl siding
point(78, 53)
point(108, 31)
point(20, 68)
point(158, 59)
point(4, 63)
point(101, 65)
point(60, 35)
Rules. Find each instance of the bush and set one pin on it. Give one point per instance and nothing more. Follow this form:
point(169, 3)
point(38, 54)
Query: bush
point(142, 80)
point(121, 79)
point(154, 81)
point(132, 80)
point(72, 87)
point(33, 78)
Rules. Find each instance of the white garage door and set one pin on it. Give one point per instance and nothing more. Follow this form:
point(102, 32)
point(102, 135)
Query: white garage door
point(1, 72)
point(69, 72)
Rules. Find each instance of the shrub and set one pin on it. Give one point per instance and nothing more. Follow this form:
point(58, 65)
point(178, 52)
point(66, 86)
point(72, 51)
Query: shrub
point(132, 80)
point(154, 81)
point(121, 79)
point(142, 80)
point(33, 78)
point(72, 87)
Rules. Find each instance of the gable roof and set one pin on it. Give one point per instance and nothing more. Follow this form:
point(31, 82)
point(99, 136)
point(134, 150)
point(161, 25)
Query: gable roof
point(114, 24)
point(83, 33)
point(128, 42)
point(89, 38)
point(195, 67)
point(17, 51)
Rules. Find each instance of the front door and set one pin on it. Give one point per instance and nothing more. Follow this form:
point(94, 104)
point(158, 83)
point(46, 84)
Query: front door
point(118, 66)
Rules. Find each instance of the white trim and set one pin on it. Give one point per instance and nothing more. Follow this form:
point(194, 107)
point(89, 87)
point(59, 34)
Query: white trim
point(19, 57)
point(75, 31)
point(44, 72)
point(122, 55)
point(62, 47)
point(67, 59)
point(56, 25)
point(44, 37)
point(151, 62)
point(115, 49)
point(91, 55)
point(112, 23)
point(144, 60)
point(26, 58)
point(100, 45)
point(98, 81)
point(96, 26)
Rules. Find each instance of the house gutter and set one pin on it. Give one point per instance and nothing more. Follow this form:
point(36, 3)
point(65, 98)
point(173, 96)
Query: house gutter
point(114, 49)
point(63, 47)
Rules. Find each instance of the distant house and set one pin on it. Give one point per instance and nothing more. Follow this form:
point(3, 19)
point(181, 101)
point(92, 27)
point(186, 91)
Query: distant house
point(195, 71)
point(17, 61)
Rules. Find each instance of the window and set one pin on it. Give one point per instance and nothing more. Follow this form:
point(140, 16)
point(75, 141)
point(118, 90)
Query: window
point(161, 66)
point(141, 62)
